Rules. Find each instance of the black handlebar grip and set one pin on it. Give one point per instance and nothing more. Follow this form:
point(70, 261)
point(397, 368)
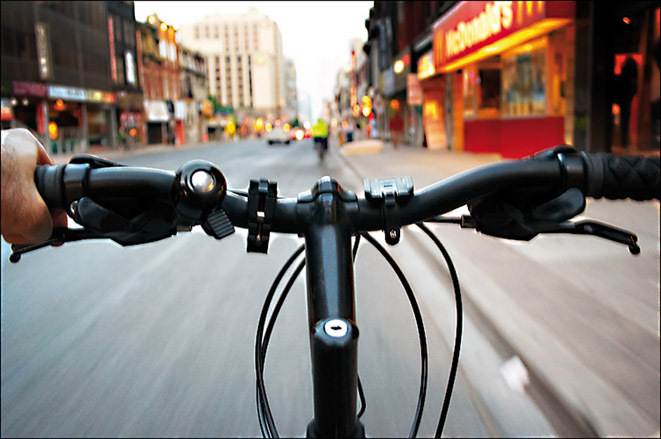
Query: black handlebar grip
point(618, 177)
point(50, 184)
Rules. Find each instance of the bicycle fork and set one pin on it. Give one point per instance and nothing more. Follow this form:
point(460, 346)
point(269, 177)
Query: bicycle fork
point(331, 319)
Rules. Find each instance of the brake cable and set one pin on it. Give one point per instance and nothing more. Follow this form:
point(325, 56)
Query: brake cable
point(458, 330)
point(267, 424)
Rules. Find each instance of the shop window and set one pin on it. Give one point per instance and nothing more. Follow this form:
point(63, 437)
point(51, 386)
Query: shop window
point(468, 91)
point(488, 92)
point(524, 80)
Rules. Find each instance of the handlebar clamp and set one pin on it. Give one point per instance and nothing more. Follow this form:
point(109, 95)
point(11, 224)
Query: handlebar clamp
point(389, 191)
point(262, 196)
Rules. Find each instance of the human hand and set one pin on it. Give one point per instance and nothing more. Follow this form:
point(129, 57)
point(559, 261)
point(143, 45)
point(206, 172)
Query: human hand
point(25, 216)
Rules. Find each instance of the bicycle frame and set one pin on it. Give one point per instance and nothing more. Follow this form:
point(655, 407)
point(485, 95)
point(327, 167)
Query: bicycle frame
point(331, 319)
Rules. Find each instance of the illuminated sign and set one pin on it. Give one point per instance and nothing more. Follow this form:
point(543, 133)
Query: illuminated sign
point(481, 28)
point(71, 93)
point(111, 38)
point(22, 88)
point(42, 50)
point(426, 65)
point(414, 94)
point(130, 67)
point(138, 48)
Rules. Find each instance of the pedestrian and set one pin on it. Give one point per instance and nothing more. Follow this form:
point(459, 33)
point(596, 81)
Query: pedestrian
point(25, 216)
point(626, 87)
point(350, 128)
point(396, 129)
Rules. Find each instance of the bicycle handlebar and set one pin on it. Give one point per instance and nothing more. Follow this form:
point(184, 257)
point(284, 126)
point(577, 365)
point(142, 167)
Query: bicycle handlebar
point(551, 172)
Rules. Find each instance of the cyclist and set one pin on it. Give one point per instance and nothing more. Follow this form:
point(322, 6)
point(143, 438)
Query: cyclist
point(320, 135)
point(25, 217)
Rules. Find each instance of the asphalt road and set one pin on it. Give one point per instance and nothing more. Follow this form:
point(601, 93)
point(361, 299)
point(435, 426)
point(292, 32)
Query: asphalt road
point(158, 340)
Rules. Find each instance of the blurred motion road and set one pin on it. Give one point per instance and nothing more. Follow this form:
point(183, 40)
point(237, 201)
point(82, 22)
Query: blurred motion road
point(158, 339)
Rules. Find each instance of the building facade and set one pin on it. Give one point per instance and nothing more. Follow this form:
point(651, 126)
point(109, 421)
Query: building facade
point(160, 73)
point(246, 66)
point(194, 91)
point(291, 93)
point(57, 71)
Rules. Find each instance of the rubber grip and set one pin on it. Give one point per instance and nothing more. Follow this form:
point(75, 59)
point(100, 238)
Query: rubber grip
point(50, 184)
point(619, 177)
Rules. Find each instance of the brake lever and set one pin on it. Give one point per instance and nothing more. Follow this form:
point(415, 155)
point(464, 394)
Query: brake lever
point(598, 229)
point(59, 236)
point(587, 227)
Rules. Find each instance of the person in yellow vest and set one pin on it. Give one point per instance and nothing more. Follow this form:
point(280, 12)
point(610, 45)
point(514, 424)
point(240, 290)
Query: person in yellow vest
point(320, 134)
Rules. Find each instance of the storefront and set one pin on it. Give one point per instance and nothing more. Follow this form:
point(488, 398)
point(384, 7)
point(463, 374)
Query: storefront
point(180, 118)
point(27, 108)
point(131, 116)
point(82, 117)
point(158, 116)
point(506, 71)
point(395, 83)
point(635, 95)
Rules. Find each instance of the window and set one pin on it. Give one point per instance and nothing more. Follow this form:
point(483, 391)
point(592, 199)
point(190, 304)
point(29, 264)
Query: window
point(215, 32)
point(524, 81)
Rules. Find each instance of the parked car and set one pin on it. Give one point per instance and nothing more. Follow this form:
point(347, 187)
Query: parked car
point(277, 135)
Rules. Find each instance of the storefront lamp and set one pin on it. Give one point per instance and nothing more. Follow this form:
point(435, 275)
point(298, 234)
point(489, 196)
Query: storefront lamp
point(59, 105)
point(52, 130)
point(626, 20)
point(14, 102)
point(394, 104)
point(25, 102)
point(164, 27)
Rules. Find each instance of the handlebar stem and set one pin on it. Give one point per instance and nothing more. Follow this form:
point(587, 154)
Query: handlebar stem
point(331, 316)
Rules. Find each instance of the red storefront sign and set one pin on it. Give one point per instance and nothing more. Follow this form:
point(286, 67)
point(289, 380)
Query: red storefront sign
point(471, 28)
point(111, 39)
point(414, 90)
point(22, 88)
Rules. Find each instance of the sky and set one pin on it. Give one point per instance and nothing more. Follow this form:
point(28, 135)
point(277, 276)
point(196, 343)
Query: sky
point(315, 34)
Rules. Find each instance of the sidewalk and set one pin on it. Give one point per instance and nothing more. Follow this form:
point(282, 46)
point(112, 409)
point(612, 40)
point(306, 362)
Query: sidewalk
point(580, 312)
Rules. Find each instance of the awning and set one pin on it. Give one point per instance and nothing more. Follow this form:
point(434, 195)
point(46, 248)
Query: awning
point(156, 111)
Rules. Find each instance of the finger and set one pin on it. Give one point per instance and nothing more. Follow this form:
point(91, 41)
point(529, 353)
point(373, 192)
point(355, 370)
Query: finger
point(15, 238)
point(60, 220)
point(42, 156)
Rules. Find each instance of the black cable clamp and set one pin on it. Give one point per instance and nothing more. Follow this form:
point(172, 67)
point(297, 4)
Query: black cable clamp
point(262, 196)
point(390, 191)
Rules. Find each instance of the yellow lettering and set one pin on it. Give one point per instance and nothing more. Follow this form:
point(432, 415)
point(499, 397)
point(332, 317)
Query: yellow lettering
point(507, 14)
point(540, 7)
point(449, 46)
point(461, 29)
point(495, 19)
point(484, 31)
